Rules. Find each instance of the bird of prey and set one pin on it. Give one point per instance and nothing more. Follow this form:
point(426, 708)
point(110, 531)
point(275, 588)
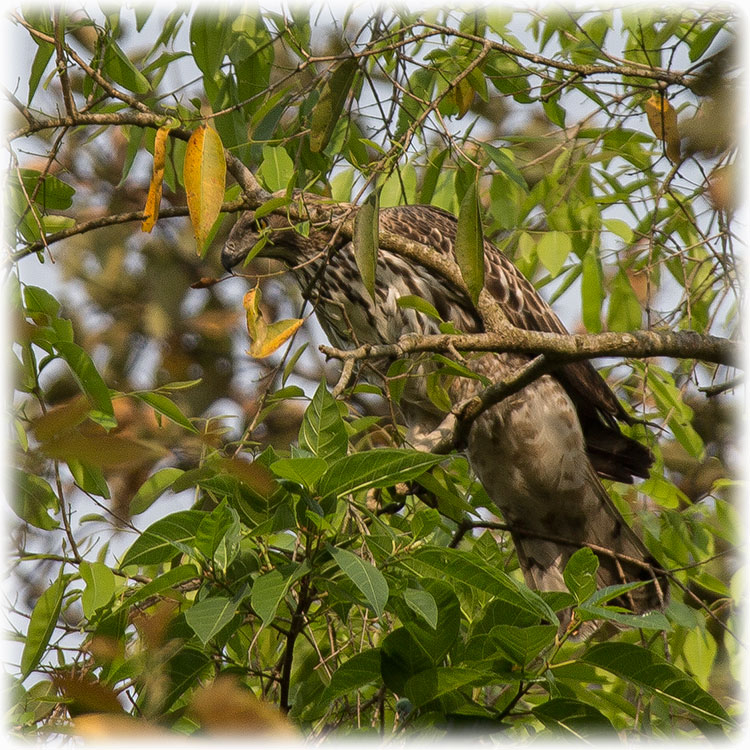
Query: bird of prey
point(540, 452)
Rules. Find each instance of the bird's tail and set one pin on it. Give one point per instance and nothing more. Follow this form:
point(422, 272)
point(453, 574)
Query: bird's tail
point(623, 558)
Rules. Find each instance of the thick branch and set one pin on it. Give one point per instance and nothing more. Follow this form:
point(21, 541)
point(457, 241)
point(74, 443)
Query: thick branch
point(560, 348)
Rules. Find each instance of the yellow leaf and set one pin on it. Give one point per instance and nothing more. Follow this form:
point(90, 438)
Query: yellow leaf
point(464, 96)
point(256, 326)
point(265, 338)
point(276, 334)
point(226, 707)
point(157, 178)
point(108, 727)
point(662, 118)
point(204, 176)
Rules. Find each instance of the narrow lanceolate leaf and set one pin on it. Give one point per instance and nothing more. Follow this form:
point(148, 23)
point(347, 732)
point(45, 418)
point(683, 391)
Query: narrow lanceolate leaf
point(592, 291)
point(377, 468)
point(366, 241)
point(100, 586)
point(463, 95)
point(470, 243)
point(164, 538)
point(41, 626)
point(204, 177)
point(328, 109)
point(153, 199)
point(366, 577)
point(90, 382)
point(662, 118)
point(656, 675)
point(164, 405)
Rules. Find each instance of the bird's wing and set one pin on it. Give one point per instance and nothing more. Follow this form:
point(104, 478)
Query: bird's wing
point(614, 455)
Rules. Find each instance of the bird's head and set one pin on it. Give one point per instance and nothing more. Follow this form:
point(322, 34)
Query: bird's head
point(270, 236)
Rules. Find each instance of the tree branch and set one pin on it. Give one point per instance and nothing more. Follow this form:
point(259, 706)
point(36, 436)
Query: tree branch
point(559, 348)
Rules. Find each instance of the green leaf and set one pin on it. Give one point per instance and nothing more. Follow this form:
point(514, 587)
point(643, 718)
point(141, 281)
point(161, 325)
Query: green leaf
point(397, 377)
point(220, 523)
point(412, 302)
point(472, 570)
point(439, 640)
point(523, 644)
point(362, 669)
point(553, 249)
point(401, 656)
point(32, 499)
point(118, 67)
point(323, 432)
point(89, 478)
point(267, 593)
point(424, 521)
point(292, 362)
point(423, 603)
point(39, 65)
point(657, 676)
point(365, 240)
point(580, 573)
point(621, 229)
point(366, 577)
point(38, 300)
point(164, 405)
point(271, 205)
point(703, 39)
point(164, 538)
point(554, 111)
point(41, 626)
point(209, 37)
point(184, 669)
point(625, 312)
point(592, 609)
point(376, 468)
point(165, 581)
point(574, 719)
point(153, 488)
point(469, 245)
point(100, 586)
point(592, 291)
point(276, 169)
point(90, 382)
point(208, 617)
point(503, 161)
point(53, 223)
point(434, 683)
point(678, 414)
point(50, 193)
point(328, 109)
point(303, 470)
